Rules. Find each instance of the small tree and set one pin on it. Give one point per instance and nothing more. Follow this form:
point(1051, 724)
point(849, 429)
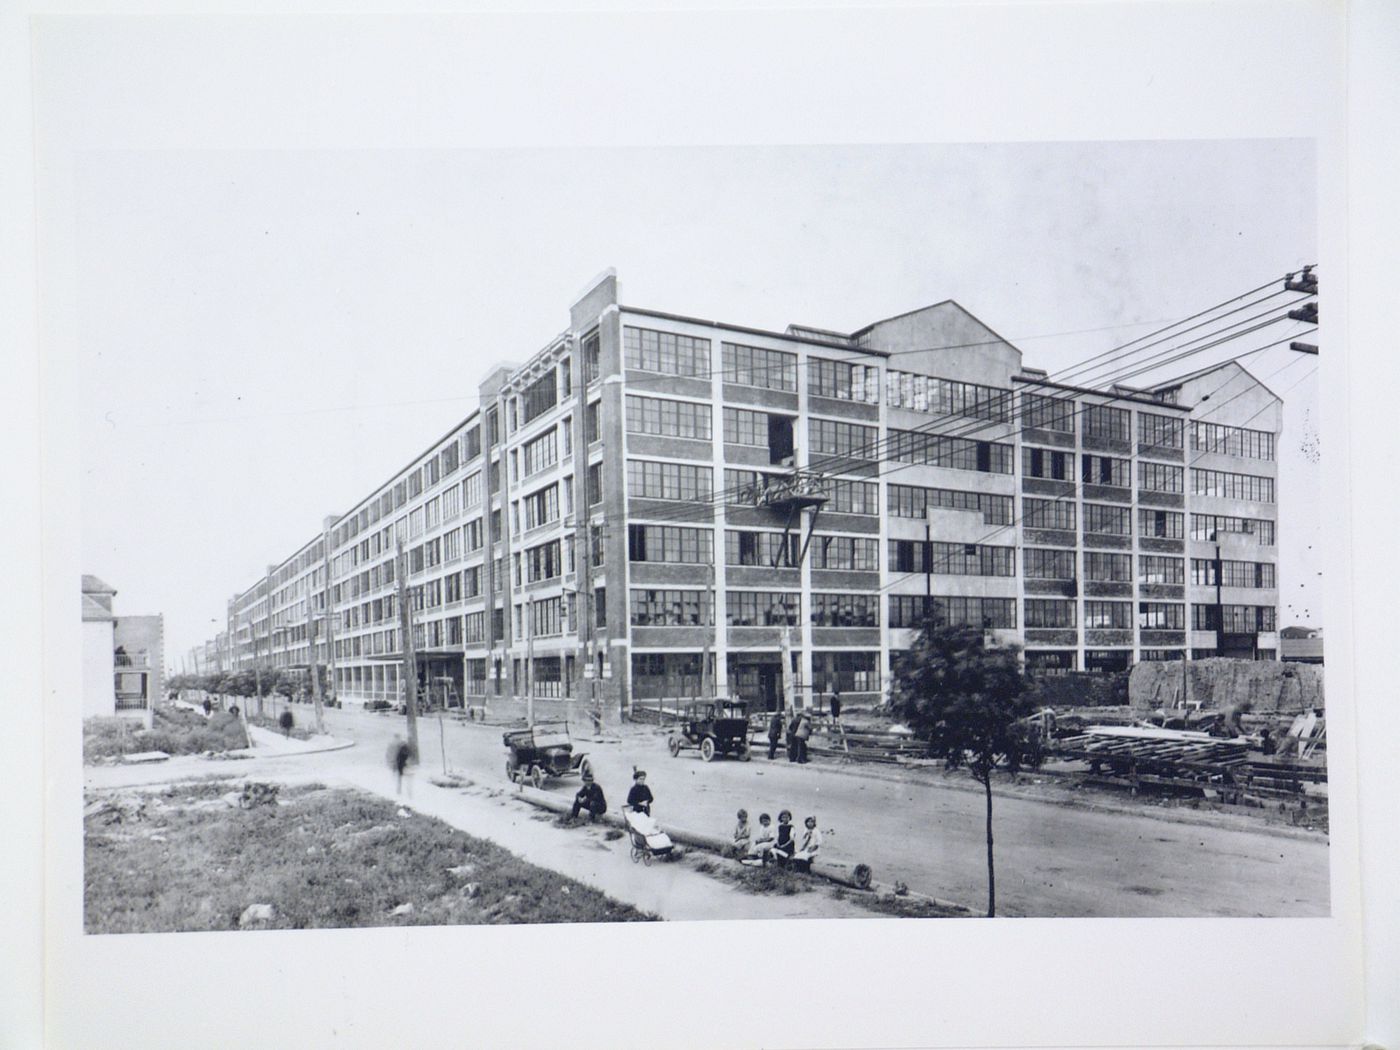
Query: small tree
point(968, 702)
point(286, 683)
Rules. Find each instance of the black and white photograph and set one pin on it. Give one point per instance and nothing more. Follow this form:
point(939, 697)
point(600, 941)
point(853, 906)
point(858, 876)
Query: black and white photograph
point(844, 604)
point(909, 531)
point(507, 534)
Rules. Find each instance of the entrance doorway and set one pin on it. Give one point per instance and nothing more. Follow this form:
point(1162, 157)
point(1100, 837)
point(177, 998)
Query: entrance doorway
point(757, 678)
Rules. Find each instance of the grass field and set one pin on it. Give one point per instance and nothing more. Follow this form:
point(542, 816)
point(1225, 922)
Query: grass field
point(174, 731)
point(323, 859)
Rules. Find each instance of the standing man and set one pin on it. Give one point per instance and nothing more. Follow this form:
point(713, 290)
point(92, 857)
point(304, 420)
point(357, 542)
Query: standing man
point(801, 735)
point(775, 733)
point(836, 705)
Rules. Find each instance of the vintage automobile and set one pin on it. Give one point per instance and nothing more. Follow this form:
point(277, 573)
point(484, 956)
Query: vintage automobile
point(542, 751)
point(714, 727)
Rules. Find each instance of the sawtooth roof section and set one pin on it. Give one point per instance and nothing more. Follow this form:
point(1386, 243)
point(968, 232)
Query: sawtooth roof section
point(1158, 388)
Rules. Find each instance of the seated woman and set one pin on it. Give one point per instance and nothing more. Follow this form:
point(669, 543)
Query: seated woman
point(785, 846)
point(640, 797)
point(739, 842)
point(811, 844)
point(762, 841)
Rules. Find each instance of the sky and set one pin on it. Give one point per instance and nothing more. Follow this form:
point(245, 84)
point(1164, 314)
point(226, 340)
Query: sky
point(265, 336)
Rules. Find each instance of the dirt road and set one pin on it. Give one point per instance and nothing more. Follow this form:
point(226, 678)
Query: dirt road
point(1052, 860)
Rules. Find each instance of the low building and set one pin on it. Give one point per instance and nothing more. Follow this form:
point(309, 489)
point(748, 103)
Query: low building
point(123, 657)
point(1301, 645)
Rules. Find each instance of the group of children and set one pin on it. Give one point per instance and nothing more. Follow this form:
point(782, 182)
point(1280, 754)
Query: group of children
point(765, 844)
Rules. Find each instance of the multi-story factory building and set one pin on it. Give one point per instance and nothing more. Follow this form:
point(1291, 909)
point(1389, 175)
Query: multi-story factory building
point(661, 506)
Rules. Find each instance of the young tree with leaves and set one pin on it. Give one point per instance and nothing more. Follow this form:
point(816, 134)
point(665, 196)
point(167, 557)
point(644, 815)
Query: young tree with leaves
point(968, 701)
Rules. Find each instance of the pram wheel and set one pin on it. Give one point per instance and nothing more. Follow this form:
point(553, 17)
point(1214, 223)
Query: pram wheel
point(646, 858)
point(636, 854)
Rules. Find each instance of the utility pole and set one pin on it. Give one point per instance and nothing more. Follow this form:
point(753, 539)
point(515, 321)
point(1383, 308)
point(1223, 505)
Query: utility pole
point(1304, 281)
point(928, 559)
point(312, 666)
point(527, 617)
point(257, 667)
point(330, 612)
point(409, 670)
point(789, 686)
point(707, 691)
point(586, 617)
point(1219, 600)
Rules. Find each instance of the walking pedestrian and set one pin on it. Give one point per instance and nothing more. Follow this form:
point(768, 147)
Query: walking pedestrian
point(793, 723)
point(400, 757)
point(640, 797)
point(775, 733)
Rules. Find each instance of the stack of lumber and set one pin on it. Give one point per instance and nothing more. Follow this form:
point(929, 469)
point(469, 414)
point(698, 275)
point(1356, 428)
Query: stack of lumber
point(1168, 752)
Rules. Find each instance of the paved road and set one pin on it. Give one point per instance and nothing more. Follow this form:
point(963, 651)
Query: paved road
point(1052, 859)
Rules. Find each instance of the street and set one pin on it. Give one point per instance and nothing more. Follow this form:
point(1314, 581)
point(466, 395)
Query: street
point(1051, 859)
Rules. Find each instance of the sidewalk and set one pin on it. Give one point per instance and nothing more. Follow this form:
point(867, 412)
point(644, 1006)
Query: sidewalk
point(672, 890)
point(267, 743)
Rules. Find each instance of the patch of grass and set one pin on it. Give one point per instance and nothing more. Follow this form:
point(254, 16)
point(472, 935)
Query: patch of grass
point(768, 878)
point(174, 731)
point(329, 858)
point(904, 907)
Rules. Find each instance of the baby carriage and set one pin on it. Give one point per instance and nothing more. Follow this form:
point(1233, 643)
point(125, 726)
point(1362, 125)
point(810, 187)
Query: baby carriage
point(648, 840)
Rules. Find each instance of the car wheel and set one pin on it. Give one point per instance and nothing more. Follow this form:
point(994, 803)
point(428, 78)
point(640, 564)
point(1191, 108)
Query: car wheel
point(744, 754)
point(585, 768)
point(537, 777)
point(675, 746)
point(707, 749)
point(512, 770)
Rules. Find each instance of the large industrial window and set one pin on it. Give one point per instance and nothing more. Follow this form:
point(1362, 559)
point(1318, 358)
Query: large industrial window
point(755, 366)
point(843, 381)
point(762, 609)
point(666, 352)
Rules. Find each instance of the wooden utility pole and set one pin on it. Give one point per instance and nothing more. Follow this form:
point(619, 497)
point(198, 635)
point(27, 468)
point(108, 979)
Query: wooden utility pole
point(409, 670)
point(330, 615)
point(257, 667)
point(313, 667)
point(527, 614)
point(706, 683)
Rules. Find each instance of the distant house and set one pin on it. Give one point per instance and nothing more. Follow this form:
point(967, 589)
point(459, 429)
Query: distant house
point(122, 657)
point(1301, 645)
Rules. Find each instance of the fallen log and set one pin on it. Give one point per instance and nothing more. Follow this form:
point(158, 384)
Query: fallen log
point(855, 875)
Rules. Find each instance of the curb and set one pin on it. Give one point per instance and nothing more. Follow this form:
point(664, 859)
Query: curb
point(253, 752)
point(697, 840)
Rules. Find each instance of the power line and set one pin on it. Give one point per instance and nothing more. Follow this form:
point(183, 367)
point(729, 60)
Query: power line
point(877, 448)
